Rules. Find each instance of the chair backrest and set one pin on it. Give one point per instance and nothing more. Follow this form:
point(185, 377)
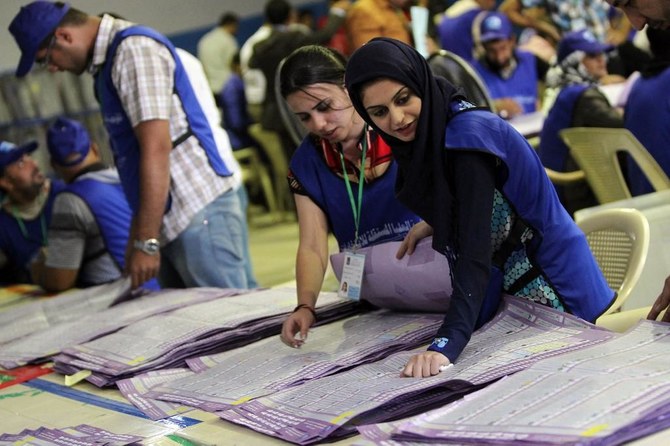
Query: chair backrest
point(565, 178)
point(619, 240)
point(459, 72)
point(293, 126)
point(595, 151)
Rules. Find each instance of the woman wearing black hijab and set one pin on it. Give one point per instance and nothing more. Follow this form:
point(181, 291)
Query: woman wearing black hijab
point(482, 188)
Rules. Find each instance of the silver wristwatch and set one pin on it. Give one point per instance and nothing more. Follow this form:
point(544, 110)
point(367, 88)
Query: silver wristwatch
point(150, 246)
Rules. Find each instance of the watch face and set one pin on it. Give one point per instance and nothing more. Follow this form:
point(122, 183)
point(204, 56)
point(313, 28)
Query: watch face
point(151, 247)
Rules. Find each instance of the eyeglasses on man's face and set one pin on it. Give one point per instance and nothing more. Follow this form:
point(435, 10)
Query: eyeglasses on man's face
point(46, 60)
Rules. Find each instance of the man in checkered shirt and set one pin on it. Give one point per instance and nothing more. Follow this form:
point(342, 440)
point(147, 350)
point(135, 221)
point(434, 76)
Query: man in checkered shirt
point(187, 224)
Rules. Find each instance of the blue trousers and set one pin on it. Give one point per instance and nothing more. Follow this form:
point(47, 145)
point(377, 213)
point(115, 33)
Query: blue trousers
point(213, 250)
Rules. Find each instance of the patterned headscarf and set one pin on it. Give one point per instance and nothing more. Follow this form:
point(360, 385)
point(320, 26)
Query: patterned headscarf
point(569, 72)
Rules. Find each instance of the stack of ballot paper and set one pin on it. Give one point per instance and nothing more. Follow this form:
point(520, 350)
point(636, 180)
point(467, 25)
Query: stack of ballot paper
point(605, 395)
point(166, 340)
point(90, 322)
point(82, 435)
point(28, 318)
point(268, 366)
point(331, 407)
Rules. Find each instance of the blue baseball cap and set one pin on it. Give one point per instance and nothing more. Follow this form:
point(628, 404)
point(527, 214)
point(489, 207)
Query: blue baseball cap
point(11, 153)
point(68, 142)
point(495, 26)
point(31, 27)
point(583, 40)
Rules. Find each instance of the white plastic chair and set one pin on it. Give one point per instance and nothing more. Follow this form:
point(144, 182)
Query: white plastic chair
point(619, 240)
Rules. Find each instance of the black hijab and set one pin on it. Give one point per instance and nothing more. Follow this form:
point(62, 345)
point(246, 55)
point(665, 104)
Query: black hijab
point(422, 183)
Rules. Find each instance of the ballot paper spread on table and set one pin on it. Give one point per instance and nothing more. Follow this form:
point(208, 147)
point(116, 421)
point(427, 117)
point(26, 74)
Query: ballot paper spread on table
point(135, 390)
point(81, 435)
point(268, 366)
point(417, 282)
point(28, 318)
point(521, 334)
point(608, 394)
point(42, 344)
point(166, 340)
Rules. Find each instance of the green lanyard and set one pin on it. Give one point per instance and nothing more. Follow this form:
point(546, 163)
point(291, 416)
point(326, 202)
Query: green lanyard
point(24, 231)
point(356, 207)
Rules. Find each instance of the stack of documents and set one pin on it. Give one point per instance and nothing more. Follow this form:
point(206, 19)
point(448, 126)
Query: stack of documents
point(166, 340)
point(604, 395)
point(28, 318)
point(268, 366)
point(330, 407)
point(82, 435)
point(55, 328)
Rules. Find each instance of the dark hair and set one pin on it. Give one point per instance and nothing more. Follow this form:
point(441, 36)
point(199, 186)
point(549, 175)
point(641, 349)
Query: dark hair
point(229, 18)
point(311, 64)
point(659, 43)
point(73, 16)
point(277, 12)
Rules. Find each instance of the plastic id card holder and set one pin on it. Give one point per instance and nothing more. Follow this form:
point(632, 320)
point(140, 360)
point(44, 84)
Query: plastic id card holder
point(352, 276)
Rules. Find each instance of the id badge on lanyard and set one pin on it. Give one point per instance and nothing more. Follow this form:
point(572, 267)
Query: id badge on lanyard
point(354, 263)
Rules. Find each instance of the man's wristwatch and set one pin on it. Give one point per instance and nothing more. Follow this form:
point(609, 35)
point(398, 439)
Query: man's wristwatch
point(150, 246)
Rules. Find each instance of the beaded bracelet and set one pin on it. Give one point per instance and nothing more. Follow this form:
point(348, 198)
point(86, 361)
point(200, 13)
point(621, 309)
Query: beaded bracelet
point(311, 310)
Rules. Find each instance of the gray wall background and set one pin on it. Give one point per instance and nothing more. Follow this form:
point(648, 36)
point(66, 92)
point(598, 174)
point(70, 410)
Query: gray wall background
point(169, 17)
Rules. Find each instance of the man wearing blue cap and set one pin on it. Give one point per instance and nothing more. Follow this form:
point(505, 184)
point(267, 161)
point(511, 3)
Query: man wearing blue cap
point(512, 75)
point(186, 217)
point(25, 212)
point(90, 222)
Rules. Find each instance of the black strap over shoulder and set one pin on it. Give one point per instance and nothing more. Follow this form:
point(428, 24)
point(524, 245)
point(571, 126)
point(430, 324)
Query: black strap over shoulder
point(510, 243)
point(508, 246)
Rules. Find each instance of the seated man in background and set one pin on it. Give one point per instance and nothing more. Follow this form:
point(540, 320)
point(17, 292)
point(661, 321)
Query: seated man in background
point(574, 100)
point(25, 213)
point(91, 217)
point(458, 25)
point(513, 76)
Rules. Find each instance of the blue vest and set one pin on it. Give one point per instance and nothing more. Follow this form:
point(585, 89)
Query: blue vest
point(553, 151)
point(520, 86)
point(647, 117)
point(558, 248)
point(18, 248)
point(383, 218)
point(122, 137)
point(455, 34)
point(111, 211)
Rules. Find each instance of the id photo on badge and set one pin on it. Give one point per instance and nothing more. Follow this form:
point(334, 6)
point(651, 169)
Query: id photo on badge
point(352, 276)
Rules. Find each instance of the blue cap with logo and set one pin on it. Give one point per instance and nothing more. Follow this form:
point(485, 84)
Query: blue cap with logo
point(11, 153)
point(583, 40)
point(31, 27)
point(495, 26)
point(68, 142)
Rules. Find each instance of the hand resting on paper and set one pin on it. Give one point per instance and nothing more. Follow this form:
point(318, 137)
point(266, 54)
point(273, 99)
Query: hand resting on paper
point(425, 364)
point(418, 232)
point(298, 323)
